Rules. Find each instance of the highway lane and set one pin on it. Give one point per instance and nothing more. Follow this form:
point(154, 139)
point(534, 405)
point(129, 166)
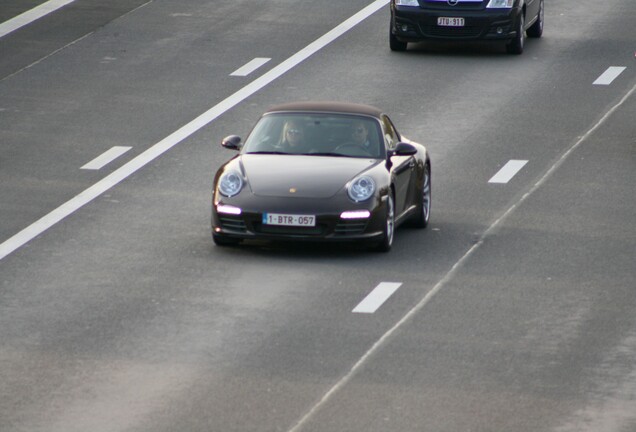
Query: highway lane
point(125, 317)
point(533, 342)
point(90, 106)
point(54, 31)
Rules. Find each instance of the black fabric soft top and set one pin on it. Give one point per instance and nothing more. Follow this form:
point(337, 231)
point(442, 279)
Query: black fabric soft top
point(327, 107)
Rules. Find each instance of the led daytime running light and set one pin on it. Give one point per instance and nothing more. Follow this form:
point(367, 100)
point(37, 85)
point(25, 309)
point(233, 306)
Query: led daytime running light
point(355, 214)
point(228, 209)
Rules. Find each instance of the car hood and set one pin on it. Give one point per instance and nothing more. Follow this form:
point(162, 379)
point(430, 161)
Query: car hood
point(301, 176)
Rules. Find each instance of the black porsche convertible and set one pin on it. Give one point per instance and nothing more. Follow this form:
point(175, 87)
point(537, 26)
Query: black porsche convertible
point(321, 171)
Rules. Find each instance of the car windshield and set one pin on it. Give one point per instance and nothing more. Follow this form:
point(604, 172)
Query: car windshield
point(339, 135)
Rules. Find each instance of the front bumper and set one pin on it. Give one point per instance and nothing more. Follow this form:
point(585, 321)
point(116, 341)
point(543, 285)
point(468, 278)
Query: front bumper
point(329, 225)
point(410, 24)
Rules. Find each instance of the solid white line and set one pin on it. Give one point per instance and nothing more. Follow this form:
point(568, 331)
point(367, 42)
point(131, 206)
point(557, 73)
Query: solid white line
point(184, 132)
point(377, 297)
point(609, 75)
point(107, 157)
point(32, 15)
point(250, 67)
point(448, 276)
point(508, 171)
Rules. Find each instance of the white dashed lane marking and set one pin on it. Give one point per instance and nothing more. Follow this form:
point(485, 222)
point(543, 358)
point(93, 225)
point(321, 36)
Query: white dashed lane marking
point(250, 67)
point(120, 174)
point(609, 75)
point(107, 157)
point(508, 171)
point(31, 15)
point(377, 297)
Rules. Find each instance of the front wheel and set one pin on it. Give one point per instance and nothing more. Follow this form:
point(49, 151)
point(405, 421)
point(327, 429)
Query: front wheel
point(395, 44)
point(424, 213)
point(536, 29)
point(389, 226)
point(515, 46)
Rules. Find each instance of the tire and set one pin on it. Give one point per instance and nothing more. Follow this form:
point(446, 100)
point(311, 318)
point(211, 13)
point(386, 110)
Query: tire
point(515, 46)
point(395, 44)
point(224, 241)
point(536, 29)
point(389, 226)
point(423, 215)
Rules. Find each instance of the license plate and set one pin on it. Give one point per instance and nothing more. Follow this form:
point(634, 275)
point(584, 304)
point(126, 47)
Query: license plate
point(289, 220)
point(450, 22)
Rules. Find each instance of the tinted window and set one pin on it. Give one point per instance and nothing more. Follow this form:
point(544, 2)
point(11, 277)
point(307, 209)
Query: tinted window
point(317, 134)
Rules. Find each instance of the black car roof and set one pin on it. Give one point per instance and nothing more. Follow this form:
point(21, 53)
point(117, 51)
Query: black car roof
point(327, 106)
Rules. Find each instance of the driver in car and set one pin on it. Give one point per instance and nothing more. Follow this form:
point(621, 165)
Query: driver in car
point(360, 136)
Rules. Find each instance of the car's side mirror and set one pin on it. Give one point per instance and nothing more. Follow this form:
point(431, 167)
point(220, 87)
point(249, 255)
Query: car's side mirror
point(404, 149)
point(401, 149)
point(232, 142)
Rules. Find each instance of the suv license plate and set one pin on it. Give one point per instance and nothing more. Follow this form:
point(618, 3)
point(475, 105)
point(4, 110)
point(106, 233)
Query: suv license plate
point(289, 220)
point(450, 22)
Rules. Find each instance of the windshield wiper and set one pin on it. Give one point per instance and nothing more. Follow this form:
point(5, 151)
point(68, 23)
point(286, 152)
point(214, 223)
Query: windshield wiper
point(267, 152)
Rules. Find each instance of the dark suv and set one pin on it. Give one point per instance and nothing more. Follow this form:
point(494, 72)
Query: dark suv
point(508, 20)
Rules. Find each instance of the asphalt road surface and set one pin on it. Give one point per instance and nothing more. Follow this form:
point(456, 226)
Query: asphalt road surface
point(513, 311)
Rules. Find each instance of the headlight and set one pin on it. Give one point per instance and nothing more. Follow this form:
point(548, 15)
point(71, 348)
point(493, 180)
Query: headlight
point(406, 3)
point(500, 4)
point(361, 188)
point(230, 183)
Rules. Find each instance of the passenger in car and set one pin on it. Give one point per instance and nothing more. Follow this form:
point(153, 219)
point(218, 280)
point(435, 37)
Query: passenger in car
point(293, 139)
